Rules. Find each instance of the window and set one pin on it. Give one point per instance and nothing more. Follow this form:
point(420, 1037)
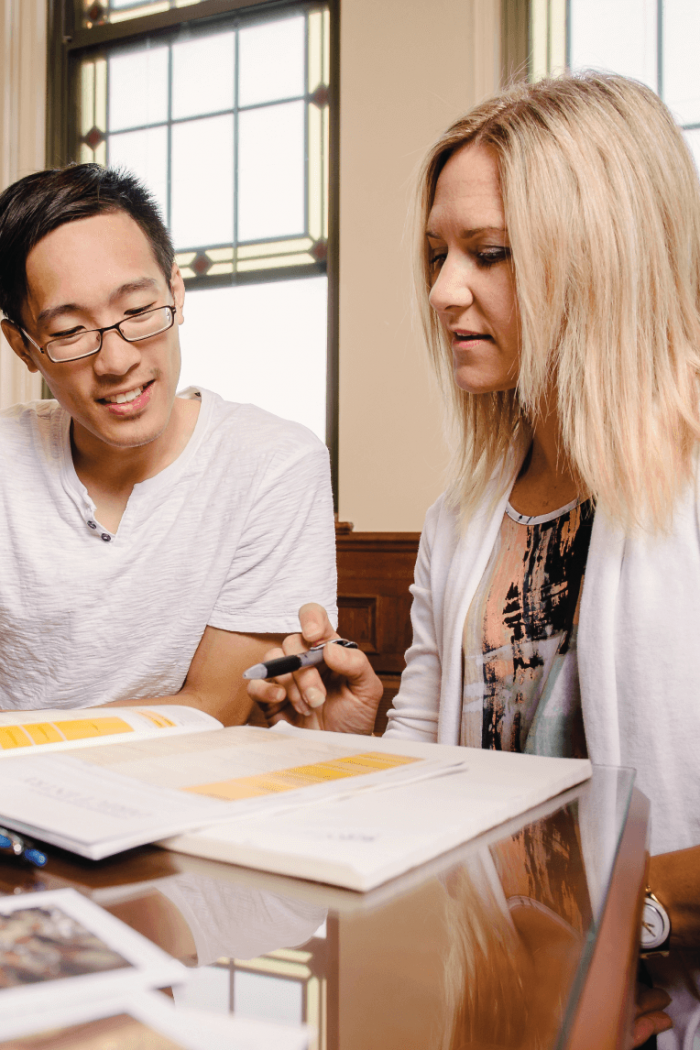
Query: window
point(655, 41)
point(226, 116)
point(287, 986)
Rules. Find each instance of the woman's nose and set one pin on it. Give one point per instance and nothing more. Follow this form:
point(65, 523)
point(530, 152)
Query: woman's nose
point(452, 287)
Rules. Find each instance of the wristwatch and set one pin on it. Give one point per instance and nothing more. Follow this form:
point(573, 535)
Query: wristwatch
point(656, 927)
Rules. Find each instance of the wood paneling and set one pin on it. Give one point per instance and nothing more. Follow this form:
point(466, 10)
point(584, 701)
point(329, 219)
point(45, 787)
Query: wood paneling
point(375, 570)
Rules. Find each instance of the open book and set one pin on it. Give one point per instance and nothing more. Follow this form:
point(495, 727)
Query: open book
point(60, 730)
point(349, 810)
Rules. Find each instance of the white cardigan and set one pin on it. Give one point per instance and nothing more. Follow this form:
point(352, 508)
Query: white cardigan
point(638, 652)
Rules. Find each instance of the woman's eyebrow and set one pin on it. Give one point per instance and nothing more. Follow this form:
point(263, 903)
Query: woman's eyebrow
point(469, 233)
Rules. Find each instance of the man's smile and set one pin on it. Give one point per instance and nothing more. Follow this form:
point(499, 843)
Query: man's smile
point(126, 401)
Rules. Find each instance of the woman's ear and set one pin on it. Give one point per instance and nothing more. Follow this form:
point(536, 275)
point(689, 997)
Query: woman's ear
point(19, 344)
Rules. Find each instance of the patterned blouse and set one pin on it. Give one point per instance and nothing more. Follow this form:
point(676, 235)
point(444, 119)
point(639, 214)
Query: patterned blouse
point(521, 686)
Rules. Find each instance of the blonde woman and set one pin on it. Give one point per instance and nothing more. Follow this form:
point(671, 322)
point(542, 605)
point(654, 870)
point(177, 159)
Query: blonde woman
point(557, 591)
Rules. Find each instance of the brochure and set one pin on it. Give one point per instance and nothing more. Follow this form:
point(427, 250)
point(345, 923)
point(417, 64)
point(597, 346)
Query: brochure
point(23, 732)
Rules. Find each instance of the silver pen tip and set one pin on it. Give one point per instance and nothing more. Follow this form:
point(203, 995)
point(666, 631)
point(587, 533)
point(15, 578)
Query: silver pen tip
point(258, 671)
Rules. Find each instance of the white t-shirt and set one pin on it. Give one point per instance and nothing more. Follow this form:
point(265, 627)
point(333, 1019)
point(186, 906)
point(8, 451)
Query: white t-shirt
point(237, 533)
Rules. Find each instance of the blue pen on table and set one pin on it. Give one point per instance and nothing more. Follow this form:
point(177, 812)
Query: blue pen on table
point(288, 664)
point(21, 847)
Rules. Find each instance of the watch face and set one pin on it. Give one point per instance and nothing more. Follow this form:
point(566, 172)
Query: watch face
point(655, 925)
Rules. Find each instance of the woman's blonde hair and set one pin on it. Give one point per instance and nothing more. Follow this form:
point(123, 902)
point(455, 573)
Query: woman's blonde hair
point(602, 208)
point(485, 999)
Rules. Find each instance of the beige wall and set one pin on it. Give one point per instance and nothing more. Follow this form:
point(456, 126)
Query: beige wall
point(22, 136)
point(408, 68)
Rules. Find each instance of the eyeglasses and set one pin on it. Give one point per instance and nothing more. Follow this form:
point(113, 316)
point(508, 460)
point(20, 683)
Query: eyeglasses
point(84, 344)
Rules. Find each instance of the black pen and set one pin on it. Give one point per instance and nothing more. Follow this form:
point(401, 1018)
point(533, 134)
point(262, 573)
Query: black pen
point(21, 847)
point(289, 664)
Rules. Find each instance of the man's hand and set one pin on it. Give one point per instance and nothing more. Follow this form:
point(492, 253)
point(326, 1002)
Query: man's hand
point(342, 695)
point(649, 1018)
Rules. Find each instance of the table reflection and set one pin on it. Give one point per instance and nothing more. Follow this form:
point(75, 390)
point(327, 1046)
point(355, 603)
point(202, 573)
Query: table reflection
point(485, 947)
point(517, 915)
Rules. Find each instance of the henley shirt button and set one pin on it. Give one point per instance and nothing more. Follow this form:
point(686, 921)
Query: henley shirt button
point(92, 525)
point(106, 537)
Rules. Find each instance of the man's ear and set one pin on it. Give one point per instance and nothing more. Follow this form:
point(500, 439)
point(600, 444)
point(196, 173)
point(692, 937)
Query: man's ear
point(177, 287)
point(18, 344)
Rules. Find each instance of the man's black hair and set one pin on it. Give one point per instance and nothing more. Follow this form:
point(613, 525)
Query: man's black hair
point(37, 204)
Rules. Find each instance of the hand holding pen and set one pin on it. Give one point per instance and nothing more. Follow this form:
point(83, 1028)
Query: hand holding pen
point(288, 664)
point(341, 693)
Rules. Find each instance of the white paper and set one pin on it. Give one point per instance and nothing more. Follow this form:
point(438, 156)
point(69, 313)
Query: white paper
point(124, 795)
point(362, 840)
point(46, 960)
point(188, 1029)
point(30, 732)
point(355, 831)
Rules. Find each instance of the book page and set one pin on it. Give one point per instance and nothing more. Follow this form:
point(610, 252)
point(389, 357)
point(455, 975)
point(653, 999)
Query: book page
point(366, 838)
point(23, 732)
point(106, 799)
point(246, 762)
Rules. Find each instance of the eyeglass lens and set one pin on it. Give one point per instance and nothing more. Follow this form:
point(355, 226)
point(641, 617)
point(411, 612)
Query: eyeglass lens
point(140, 326)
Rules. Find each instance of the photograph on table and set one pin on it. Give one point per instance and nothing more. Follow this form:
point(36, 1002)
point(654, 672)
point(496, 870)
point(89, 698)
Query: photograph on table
point(57, 946)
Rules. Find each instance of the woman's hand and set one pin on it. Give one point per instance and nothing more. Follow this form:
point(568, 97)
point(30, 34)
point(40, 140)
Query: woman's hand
point(649, 1017)
point(341, 695)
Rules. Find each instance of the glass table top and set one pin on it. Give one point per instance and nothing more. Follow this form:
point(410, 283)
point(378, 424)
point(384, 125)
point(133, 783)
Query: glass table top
point(487, 946)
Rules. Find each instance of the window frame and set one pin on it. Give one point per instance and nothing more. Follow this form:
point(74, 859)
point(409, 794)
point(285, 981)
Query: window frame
point(660, 30)
point(67, 42)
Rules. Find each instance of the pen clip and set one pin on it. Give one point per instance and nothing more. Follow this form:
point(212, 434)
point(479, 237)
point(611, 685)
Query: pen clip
point(333, 641)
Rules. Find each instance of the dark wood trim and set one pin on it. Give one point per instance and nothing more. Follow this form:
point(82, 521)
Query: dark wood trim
point(112, 32)
point(333, 257)
point(385, 542)
point(59, 15)
point(515, 41)
point(283, 273)
point(375, 571)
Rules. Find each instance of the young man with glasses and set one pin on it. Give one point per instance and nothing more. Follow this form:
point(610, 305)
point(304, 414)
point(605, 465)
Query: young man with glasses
point(150, 545)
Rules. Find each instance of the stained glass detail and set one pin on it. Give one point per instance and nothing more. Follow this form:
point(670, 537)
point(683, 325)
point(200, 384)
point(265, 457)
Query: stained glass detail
point(94, 138)
point(201, 264)
point(230, 130)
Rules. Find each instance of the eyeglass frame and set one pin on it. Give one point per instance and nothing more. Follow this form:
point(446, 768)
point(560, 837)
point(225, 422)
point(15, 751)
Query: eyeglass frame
point(108, 328)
